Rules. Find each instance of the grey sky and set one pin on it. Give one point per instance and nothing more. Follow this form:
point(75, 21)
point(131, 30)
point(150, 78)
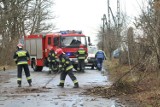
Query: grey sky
point(86, 15)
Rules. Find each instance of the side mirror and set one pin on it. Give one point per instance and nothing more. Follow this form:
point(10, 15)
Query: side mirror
point(89, 41)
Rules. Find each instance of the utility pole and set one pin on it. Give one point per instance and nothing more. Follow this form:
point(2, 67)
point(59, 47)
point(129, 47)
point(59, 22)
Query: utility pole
point(149, 7)
point(118, 13)
point(118, 21)
point(103, 30)
point(108, 26)
point(109, 19)
point(108, 31)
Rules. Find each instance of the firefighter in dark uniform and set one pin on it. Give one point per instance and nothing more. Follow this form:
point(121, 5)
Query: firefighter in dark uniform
point(53, 64)
point(21, 58)
point(81, 56)
point(66, 67)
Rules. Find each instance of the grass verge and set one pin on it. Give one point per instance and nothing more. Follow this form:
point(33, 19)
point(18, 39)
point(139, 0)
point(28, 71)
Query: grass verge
point(137, 88)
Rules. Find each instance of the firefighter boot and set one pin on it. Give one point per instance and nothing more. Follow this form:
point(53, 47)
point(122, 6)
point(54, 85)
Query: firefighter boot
point(82, 70)
point(19, 83)
point(29, 82)
point(78, 69)
point(61, 85)
point(76, 85)
point(49, 72)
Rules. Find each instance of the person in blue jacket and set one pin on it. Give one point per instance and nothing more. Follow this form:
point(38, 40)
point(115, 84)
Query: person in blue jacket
point(100, 57)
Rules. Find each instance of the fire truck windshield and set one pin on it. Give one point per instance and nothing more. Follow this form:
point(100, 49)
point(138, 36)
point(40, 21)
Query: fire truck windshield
point(73, 41)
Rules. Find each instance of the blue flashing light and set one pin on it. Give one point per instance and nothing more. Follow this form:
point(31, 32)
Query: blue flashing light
point(68, 54)
point(63, 32)
point(70, 31)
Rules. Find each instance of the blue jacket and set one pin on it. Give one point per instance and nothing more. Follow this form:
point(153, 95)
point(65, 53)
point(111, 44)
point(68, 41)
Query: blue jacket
point(100, 54)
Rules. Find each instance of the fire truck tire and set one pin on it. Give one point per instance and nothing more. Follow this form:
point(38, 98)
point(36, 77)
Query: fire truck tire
point(35, 67)
point(39, 68)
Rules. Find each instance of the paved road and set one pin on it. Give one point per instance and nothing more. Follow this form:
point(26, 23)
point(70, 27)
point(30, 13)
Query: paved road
point(53, 96)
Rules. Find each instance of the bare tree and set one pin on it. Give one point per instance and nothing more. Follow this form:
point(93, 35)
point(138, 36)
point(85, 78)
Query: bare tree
point(19, 17)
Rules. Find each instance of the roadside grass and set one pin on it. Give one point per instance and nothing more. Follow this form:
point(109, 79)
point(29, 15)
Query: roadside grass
point(140, 87)
point(136, 89)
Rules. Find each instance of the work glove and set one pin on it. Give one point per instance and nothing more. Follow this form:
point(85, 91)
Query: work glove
point(61, 68)
point(49, 60)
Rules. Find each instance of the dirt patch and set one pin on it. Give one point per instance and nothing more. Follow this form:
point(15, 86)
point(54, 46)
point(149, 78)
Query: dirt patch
point(114, 91)
point(123, 93)
point(5, 77)
point(31, 90)
point(140, 89)
point(24, 90)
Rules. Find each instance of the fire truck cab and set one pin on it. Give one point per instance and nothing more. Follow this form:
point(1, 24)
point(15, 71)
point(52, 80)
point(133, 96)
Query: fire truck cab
point(39, 45)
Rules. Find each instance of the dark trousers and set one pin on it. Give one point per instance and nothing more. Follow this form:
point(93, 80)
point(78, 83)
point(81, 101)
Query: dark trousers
point(27, 73)
point(81, 64)
point(99, 63)
point(71, 75)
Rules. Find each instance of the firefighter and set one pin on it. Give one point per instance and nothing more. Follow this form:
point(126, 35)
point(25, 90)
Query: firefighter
point(100, 57)
point(66, 67)
point(81, 56)
point(53, 65)
point(21, 58)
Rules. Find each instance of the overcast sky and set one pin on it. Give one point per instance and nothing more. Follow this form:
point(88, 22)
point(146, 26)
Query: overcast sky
point(86, 15)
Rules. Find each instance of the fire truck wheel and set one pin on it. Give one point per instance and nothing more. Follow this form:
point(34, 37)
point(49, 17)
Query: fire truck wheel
point(35, 67)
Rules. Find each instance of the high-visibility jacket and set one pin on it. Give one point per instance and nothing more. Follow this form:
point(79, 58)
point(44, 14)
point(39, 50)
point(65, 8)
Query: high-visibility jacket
point(52, 56)
point(81, 54)
point(21, 57)
point(65, 62)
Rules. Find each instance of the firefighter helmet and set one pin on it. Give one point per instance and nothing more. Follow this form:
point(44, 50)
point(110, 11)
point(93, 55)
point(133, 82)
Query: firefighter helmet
point(81, 46)
point(59, 51)
point(19, 45)
point(52, 48)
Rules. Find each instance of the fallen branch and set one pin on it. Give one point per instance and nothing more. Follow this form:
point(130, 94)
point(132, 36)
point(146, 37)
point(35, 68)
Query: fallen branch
point(116, 82)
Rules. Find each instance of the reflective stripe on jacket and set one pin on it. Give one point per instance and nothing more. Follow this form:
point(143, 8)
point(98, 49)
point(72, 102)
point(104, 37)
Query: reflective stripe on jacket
point(65, 62)
point(81, 54)
point(51, 56)
point(21, 57)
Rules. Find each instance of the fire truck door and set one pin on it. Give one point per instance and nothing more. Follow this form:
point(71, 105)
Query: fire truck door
point(48, 45)
point(56, 41)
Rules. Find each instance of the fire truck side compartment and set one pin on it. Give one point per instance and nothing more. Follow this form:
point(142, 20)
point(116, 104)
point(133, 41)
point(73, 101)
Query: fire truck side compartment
point(34, 47)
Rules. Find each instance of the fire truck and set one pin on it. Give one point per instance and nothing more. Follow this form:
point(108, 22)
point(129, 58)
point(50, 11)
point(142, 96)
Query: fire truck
point(39, 45)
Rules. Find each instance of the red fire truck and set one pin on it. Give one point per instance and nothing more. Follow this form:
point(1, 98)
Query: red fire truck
point(39, 45)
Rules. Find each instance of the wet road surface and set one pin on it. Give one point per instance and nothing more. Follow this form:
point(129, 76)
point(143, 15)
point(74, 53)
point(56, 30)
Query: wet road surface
point(53, 96)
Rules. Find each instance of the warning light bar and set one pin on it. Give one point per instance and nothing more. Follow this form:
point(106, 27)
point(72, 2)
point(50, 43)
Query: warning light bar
point(70, 32)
